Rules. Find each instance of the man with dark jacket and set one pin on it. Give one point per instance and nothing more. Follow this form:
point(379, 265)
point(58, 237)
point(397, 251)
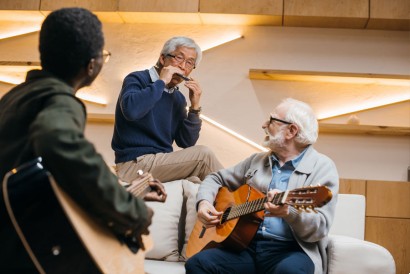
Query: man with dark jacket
point(42, 118)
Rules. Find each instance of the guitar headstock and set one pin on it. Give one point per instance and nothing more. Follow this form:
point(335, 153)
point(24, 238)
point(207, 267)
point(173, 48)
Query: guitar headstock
point(308, 197)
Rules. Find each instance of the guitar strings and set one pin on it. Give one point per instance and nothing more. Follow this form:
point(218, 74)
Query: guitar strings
point(138, 188)
point(250, 207)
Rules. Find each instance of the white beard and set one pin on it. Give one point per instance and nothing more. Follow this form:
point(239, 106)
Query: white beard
point(276, 141)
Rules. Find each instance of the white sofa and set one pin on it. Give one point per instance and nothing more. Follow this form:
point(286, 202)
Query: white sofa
point(347, 250)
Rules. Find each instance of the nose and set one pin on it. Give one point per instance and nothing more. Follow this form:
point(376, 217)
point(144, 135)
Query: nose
point(182, 65)
point(265, 124)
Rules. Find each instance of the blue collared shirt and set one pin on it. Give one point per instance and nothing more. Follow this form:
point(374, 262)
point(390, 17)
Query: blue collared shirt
point(276, 227)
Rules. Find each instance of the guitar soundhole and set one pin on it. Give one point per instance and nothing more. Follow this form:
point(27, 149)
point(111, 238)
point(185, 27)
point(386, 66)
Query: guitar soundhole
point(225, 215)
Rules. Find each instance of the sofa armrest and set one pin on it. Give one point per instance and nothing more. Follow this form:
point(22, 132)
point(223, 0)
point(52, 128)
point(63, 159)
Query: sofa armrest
point(351, 255)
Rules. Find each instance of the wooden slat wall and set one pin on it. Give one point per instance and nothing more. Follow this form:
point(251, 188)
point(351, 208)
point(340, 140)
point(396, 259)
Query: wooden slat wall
point(388, 199)
point(352, 186)
point(19, 4)
point(263, 7)
point(329, 13)
point(95, 5)
point(159, 5)
point(389, 14)
point(387, 216)
point(373, 14)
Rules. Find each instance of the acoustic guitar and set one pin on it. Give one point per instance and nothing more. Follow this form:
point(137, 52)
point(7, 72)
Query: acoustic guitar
point(243, 211)
point(58, 235)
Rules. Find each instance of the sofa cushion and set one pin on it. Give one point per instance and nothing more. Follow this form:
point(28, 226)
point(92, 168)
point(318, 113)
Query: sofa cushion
point(350, 255)
point(161, 267)
point(164, 227)
point(190, 189)
point(349, 217)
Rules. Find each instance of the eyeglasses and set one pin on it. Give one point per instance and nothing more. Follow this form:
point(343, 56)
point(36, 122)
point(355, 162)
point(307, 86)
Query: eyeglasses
point(189, 63)
point(106, 55)
point(278, 120)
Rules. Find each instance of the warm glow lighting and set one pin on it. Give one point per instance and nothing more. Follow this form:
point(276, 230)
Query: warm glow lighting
point(225, 39)
point(331, 77)
point(91, 99)
point(16, 80)
point(10, 80)
point(364, 106)
point(14, 75)
point(22, 31)
point(240, 137)
point(19, 22)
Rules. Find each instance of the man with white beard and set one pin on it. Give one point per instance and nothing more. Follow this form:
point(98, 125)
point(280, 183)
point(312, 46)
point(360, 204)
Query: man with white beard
point(287, 240)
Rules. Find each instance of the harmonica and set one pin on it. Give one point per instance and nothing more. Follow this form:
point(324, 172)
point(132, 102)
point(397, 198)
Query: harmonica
point(183, 77)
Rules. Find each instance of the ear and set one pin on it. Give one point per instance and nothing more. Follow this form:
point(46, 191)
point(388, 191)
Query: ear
point(293, 130)
point(91, 67)
point(161, 60)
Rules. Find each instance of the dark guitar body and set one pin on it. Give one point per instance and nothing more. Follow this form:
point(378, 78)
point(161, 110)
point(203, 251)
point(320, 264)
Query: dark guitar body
point(48, 232)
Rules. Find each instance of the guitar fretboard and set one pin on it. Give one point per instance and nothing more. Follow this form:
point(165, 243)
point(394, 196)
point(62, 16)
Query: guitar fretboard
point(141, 188)
point(250, 207)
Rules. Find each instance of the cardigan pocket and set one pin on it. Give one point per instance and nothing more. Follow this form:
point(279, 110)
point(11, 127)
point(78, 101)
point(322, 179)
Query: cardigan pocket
point(249, 175)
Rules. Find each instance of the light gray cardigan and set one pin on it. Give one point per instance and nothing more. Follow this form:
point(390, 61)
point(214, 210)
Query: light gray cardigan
point(310, 229)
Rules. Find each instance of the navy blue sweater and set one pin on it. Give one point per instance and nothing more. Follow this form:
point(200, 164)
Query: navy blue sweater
point(148, 120)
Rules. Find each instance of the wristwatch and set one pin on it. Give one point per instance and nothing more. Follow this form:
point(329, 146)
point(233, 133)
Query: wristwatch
point(195, 111)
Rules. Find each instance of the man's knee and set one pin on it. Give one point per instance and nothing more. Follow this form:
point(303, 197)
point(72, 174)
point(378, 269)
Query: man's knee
point(193, 265)
point(204, 150)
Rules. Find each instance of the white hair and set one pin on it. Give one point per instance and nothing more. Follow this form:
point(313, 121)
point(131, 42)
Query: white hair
point(181, 41)
point(303, 116)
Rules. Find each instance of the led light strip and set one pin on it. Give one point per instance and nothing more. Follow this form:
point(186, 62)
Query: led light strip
point(240, 137)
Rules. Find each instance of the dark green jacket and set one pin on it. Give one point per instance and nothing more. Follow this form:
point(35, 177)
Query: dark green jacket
point(42, 117)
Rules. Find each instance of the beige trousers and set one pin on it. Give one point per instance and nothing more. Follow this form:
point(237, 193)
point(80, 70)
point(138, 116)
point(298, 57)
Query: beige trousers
point(196, 161)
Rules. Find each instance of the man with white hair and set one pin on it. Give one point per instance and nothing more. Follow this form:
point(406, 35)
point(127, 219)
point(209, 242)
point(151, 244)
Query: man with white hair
point(151, 114)
point(287, 240)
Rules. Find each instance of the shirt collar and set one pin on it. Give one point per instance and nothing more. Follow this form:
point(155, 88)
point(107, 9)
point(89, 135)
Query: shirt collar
point(294, 162)
point(155, 76)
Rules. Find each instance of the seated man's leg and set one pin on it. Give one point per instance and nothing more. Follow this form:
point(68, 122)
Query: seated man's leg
point(281, 257)
point(219, 260)
point(196, 161)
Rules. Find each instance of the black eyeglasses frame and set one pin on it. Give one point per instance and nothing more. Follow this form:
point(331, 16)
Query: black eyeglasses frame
point(278, 120)
point(180, 62)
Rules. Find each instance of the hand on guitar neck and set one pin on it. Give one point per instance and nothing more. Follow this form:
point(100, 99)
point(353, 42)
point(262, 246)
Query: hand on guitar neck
point(147, 188)
point(273, 209)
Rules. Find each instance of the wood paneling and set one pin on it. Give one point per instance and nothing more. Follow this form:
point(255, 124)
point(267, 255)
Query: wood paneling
point(387, 216)
point(331, 77)
point(160, 17)
point(19, 4)
point(357, 14)
point(326, 13)
point(352, 186)
point(389, 14)
point(240, 19)
point(363, 129)
point(94, 5)
point(394, 235)
point(388, 199)
point(159, 5)
point(261, 7)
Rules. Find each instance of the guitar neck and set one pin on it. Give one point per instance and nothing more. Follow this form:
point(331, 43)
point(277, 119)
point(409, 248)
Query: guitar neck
point(139, 189)
point(254, 206)
point(306, 198)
